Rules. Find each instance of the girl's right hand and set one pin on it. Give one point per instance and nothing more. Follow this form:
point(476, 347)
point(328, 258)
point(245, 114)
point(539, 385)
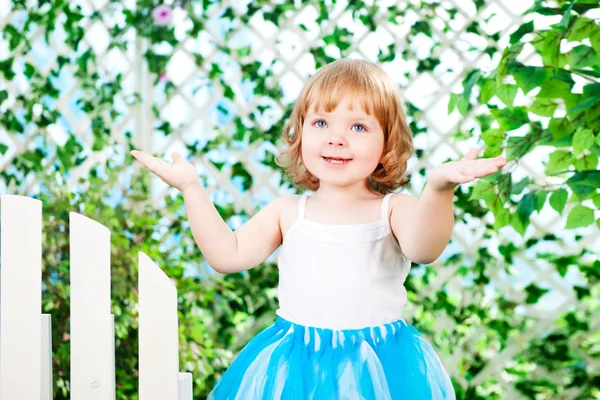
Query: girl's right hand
point(180, 175)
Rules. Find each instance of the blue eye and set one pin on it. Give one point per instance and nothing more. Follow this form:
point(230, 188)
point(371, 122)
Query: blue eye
point(362, 127)
point(318, 123)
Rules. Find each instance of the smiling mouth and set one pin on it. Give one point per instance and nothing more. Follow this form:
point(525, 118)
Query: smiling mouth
point(337, 160)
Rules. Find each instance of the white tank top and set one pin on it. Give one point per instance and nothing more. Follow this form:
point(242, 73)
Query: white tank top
point(341, 276)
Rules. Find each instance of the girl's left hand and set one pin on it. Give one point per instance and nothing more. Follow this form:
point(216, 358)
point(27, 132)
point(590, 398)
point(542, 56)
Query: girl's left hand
point(449, 175)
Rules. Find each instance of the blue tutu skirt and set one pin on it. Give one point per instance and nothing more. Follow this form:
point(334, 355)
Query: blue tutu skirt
point(291, 361)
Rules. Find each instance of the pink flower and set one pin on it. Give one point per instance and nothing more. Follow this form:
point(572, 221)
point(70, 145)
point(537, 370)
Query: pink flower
point(163, 78)
point(162, 15)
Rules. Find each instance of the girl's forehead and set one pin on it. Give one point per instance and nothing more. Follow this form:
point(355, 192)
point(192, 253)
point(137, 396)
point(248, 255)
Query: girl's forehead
point(346, 103)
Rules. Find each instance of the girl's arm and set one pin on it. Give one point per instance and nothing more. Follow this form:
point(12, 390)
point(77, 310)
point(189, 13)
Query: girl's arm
point(228, 251)
point(423, 226)
point(224, 250)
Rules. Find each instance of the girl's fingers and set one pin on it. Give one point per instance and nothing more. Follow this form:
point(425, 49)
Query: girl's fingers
point(176, 157)
point(143, 158)
point(153, 164)
point(462, 178)
point(471, 157)
point(472, 154)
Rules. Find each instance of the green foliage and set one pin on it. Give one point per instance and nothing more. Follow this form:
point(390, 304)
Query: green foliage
point(560, 115)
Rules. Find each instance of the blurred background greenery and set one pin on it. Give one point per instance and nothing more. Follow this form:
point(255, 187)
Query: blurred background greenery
point(512, 305)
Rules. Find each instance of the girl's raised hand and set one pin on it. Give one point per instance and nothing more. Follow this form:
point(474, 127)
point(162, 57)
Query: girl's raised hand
point(180, 175)
point(449, 175)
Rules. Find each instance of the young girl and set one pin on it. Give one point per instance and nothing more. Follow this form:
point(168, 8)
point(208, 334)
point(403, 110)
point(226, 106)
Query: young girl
point(346, 249)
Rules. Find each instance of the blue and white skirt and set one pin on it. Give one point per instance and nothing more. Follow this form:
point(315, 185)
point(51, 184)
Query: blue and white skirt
point(291, 361)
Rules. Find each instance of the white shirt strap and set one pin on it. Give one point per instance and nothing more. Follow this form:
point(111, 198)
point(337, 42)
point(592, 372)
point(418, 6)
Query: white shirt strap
point(385, 206)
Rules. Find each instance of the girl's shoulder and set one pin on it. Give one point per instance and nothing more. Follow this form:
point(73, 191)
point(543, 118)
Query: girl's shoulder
point(401, 202)
point(289, 203)
point(284, 203)
point(288, 211)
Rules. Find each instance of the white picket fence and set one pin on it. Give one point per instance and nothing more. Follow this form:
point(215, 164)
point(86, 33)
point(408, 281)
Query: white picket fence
point(25, 333)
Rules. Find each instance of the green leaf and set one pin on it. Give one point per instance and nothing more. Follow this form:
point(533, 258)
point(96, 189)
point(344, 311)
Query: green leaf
point(588, 72)
point(452, 102)
point(528, 78)
point(560, 128)
point(227, 91)
point(509, 55)
point(580, 216)
point(505, 187)
point(596, 200)
point(584, 183)
point(239, 170)
point(510, 119)
point(543, 107)
point(421, 27)
point(591, 101)
point(522, 184)
point(558, 199)
point(6, 68)
point(541, 199)
point(493, 137)
point(29, 71)
point(14, 36)
point(583, 56)
point(488, 89)
point(518, 224)
point(586, 163)
point(507, 93)
point(582, 139)
point(583, 28)
point(534, 293)
point(517, 146)
point(527, 205)
point(592, 89)
point(501, 214)
point(483, 191)
point(564, 22)
point(550, 50)
point(560, 160)
point(469, 82)
point(463, 105)
point(522, 31)
point(553, 89)
point(595, 40)
point(581, 292)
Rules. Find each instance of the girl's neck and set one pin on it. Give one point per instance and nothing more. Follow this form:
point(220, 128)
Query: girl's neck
point(343, 194)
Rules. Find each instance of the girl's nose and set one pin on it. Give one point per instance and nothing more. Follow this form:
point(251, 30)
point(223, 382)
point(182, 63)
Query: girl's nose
point(336, 141)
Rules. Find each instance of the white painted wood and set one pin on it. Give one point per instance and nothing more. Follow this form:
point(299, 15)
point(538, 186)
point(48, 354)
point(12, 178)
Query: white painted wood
point(20, 297)
point(46, 357)
point(158, 340)
point(92, 338)
point(186, 391)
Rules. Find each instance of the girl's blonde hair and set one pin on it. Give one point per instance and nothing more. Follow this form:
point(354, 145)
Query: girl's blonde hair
point(377, 93)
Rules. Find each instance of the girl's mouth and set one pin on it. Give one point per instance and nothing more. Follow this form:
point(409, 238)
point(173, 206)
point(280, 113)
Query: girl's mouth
point(337, 161)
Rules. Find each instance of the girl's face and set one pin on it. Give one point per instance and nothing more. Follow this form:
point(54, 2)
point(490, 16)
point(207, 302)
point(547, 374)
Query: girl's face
point(354, 138)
